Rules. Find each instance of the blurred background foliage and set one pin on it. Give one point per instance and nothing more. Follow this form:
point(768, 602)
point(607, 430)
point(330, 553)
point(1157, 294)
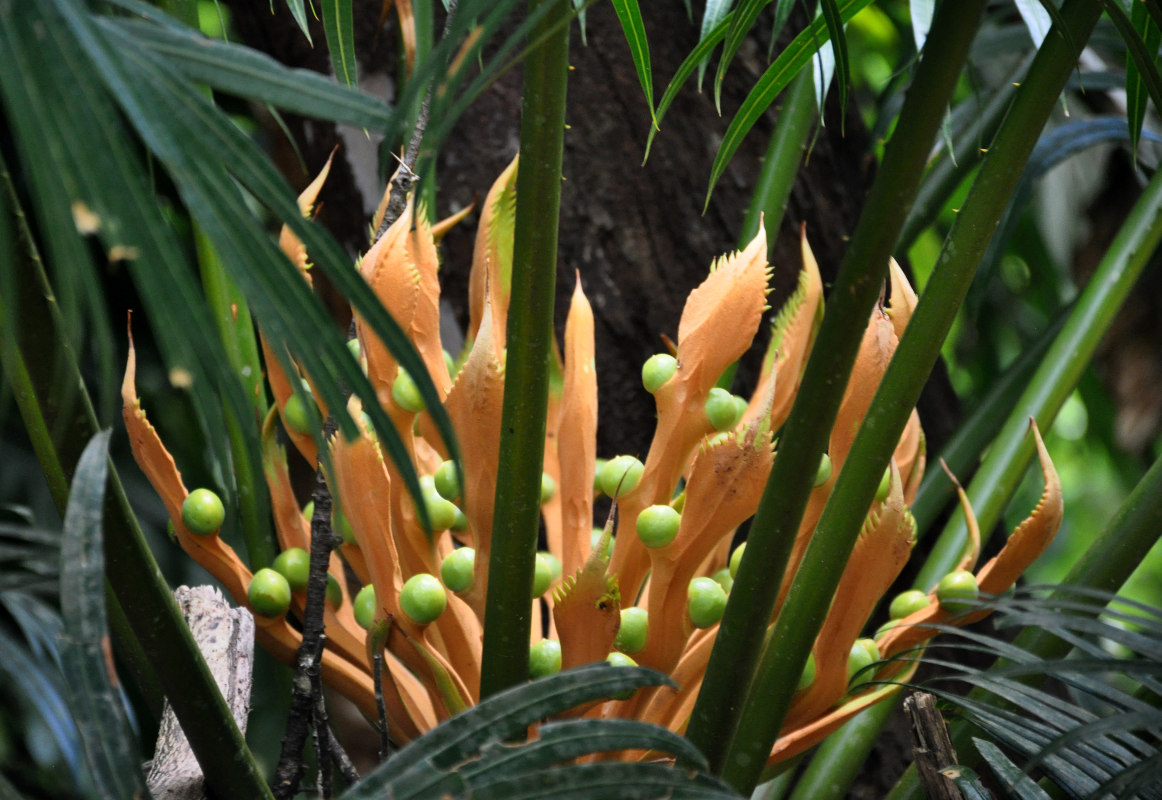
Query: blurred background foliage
point(1109, 431)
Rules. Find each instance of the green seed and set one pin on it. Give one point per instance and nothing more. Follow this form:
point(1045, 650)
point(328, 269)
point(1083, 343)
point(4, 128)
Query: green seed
point(635, 626)
point(863, 653)
point(341, 526)
point(741, 405)
point(736, 559)
point(461, 523)
point(334, 592)
point(269, 593)
point(956, 591)
point(355, 350)
point(807, 676)
point(555, 567)
point(364, 607)
point(595, 539)
point(706, 602)
point(885, 486)
point(203, 512)
point(294, 564)
point(823, 472)
point(620, 475)
point(450, 363)
point(406, 394)
point(544, 658)
point(657, 370)
point(441, 512)
point(548, 487)
point(724, 579)
point(447, 482)
point(423, 598)
point(309, 510)
point(721, 410)
point(907, 603)
point(621, 660)
point(542, 575)
point(458, 568)
point(598, 465)
point(300, 413)
point(657, 525)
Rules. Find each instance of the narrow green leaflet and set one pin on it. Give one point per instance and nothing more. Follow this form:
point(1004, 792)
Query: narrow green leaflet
point(299, 12)
point(630, 16)
point(716, 11)
point(774, 80)
point(429, 761)
point(338, 27)
point(696, 56)
point(842, 66)
point(1036, 18)
point(616, 781)
point(245, 72)
point(98, 708)
point(1012, 778)
point(1137, 86)
point(742, 19)
point(921, 12)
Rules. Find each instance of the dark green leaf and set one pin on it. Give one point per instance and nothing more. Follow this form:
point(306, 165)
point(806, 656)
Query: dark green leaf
point(629, 14)
point(1142, 49)
point(1015, 781)
point(1136, 89)
point(97, 705)
point(696, 56)
point(299, 12)
point(609, 782)
point(339, 28)
point(558, 742)
point(742, 19)
point(716, 11)
point(248, 73)
point(773, 81)
point(839, 42)
point(499, 718)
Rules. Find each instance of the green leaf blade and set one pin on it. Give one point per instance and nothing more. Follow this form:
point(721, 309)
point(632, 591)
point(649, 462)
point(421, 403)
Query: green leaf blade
point(338, 27)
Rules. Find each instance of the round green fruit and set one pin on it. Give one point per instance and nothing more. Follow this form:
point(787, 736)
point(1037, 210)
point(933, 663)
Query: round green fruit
point(406, 394)
point(446, 481)
point(544, 658)
point(885, 486)
point(657, 370)
point(823, 471)
point(863, 653)
point(736, 559)
point(294, 564)
point(334, 592)
point(458, 568)
point(341, 526)
point(364, 607)
point(548, 487)
point(705, 603)
point(309, 510)
point(441, 512)
point(957, 590)
point(657, 525)
point(621, 660)
point(461, 522)
point(620, 475)
point(724, 579)
point(807, 676)
point(542, 575)
point(907, 603)
point(355, 350)
point(595, 539)
point(635, 626)
point(203, 512)
point(300, 413)
point(423, 598)
point(721, 410)
point(269, 593)
point(555, 566)
point(598, 465)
